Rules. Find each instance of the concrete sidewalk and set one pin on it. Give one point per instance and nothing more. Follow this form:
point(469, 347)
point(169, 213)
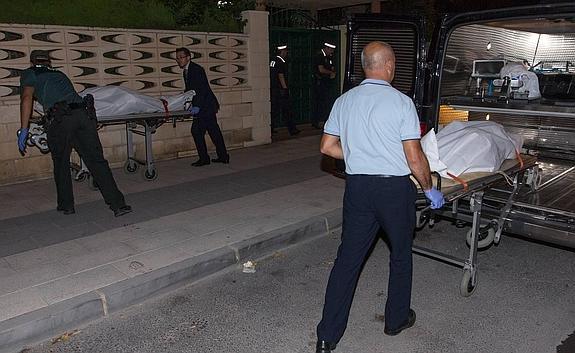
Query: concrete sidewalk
point(57, 272)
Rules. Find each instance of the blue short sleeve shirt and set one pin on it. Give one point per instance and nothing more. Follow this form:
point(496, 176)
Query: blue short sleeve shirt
point(371, 121)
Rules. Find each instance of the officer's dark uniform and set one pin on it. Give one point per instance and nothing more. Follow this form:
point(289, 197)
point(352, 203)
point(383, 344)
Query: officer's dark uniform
point(69, 126)
point(280, 105)
point(322, 88)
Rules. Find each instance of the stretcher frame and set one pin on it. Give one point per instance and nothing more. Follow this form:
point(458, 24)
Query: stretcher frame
point(142, 124)
point(521, 171)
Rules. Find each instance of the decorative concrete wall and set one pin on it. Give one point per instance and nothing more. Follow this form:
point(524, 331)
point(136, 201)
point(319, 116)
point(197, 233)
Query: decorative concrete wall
point(142, 60)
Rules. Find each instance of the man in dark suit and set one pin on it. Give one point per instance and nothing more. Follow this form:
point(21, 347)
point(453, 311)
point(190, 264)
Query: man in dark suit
point(205, 106)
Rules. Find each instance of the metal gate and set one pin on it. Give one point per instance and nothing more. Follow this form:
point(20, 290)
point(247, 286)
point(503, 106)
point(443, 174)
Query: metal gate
point(303, 45)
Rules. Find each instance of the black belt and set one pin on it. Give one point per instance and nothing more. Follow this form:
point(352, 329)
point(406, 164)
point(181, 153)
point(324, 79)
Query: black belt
point(72, 106)
point(75, 106)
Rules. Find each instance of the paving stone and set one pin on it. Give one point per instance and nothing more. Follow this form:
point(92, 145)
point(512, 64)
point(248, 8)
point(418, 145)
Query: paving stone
point(151, 260)
point(18, 303)
point(33, 276)
point(79, 283)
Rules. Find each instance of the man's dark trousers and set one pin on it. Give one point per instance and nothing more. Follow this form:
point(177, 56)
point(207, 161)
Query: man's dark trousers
point(370, 202)
point(75, 129)
point(323, 101)
point(281, 111)
point(208, 123)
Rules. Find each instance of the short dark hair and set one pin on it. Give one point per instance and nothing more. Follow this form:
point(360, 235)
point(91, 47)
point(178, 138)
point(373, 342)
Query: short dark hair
point(185, 50)
point(39, 57)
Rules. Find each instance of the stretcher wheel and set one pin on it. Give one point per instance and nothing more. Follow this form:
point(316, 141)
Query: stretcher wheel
point(43, 145)
point(130, 168)
point(81, 177)
point(93, 185)
point(467, 287)
point(150, 176)
point(486, 237)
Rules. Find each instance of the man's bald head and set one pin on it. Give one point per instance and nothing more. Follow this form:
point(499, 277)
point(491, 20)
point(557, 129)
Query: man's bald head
point(378, 61)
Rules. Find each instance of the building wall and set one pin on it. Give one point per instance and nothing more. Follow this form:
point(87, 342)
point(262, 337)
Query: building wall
point(142, 60)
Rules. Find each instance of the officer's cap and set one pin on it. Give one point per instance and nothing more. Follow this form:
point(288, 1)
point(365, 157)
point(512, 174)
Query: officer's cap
point(39, 56)
point(329, 45)
point(282, 47)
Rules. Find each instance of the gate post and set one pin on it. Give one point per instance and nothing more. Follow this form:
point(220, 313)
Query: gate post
point(259, 74)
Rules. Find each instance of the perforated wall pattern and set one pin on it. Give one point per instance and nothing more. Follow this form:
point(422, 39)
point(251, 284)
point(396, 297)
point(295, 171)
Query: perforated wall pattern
point(142, 60)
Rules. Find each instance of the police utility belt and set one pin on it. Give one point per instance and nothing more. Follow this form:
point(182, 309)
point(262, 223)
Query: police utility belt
point(60, 110)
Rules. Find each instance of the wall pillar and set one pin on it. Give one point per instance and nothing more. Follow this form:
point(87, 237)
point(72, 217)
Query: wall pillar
point(258, 74)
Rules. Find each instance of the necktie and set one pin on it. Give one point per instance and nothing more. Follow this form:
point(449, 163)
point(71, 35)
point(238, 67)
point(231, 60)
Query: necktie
point(185, 78)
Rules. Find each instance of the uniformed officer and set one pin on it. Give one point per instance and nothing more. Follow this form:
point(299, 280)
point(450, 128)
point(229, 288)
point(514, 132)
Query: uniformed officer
point(68, 125)
point(324, 77)
point(280, 102)
point(375, 129)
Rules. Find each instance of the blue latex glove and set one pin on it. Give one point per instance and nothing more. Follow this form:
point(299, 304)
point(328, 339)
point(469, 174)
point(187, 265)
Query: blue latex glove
point(22, 137)
point(436, 197)
point(194, 110)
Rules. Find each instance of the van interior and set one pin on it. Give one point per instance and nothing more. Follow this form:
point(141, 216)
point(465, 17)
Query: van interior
point(472, 89)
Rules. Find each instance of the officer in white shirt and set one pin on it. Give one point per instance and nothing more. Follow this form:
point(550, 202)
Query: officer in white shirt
point(374, 128)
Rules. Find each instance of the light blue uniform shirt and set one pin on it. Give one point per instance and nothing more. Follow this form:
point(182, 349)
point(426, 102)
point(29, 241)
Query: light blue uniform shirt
point(371, 121)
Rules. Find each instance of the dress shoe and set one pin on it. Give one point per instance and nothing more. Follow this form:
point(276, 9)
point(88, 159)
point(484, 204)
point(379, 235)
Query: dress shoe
point(66, 211)
point(225, 160)
point(324, 347)
point(294, 132)
point(408, 324)
point(200, 163)
point(122, 210)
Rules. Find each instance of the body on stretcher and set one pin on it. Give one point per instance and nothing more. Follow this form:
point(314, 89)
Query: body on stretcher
point(470, 188)
point(140, 123)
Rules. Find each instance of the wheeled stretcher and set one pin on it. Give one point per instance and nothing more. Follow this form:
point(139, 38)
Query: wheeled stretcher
point(115, 105)
point(470, 188)
point(142, 124)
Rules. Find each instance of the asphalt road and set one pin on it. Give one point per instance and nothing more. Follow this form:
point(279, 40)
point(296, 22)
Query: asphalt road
point(524, 302)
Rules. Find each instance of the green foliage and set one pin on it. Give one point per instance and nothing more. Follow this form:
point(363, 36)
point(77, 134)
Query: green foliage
point(196, 15)
point(209, 15)
point(91, 13)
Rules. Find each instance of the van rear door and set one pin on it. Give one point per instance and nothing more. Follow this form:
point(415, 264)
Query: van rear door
point(405, 35)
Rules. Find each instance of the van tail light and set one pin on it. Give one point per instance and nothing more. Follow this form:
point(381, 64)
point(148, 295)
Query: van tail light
point(422, 128)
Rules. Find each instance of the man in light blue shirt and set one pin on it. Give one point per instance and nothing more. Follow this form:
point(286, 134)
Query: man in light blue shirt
point(375, 129)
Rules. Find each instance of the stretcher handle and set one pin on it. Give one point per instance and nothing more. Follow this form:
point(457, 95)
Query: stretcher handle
point(438, 187)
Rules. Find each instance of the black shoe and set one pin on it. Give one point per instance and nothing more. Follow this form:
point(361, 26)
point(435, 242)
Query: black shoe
point(294, 132)
point(66, 211)
point(316, 126)
point(122, 210)
point(324, 347)
point(200, 163)
point(225, 160)
point(408, 324)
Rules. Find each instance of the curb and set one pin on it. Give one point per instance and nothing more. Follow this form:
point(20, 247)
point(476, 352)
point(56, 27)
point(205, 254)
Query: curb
point(47, 322)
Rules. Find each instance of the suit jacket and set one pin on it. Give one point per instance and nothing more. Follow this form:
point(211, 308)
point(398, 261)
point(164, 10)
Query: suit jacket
point(205, 98)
